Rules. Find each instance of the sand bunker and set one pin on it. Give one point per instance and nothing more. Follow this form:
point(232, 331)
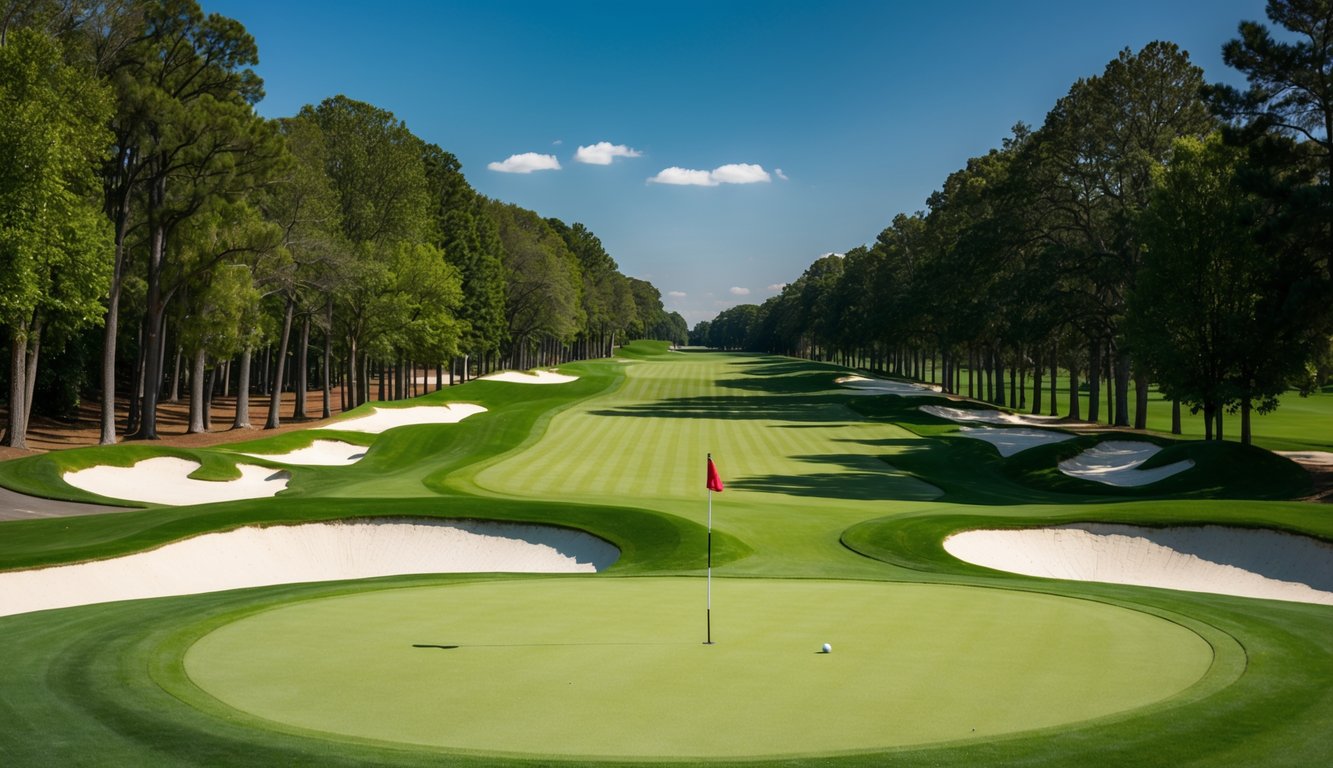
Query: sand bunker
point(382, 419)
point(1314, 458)
point(165, 480)
point(1229, 561)
point(1011, 441)
point(256, 557)
point(320, 453)
point(987, 416)
point(530, 377)
point(1116, 462)
point(862, 385)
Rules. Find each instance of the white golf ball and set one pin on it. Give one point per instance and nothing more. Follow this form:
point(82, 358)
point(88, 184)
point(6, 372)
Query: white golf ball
point(827, 648)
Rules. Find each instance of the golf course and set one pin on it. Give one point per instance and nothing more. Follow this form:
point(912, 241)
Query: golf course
point(361, 601)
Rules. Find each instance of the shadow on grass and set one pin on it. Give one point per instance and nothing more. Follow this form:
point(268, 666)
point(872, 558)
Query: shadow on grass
point(734, 408)
point(860, 477)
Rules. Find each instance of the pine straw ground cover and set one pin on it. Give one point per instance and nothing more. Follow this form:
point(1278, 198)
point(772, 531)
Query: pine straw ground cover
point(829, 531)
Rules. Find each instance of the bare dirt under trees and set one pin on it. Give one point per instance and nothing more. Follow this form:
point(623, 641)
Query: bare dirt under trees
point(48, 434)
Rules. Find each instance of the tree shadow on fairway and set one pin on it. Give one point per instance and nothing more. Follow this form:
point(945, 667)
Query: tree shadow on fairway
point(863, 478)
point(790, 384)
point(732, 408)
point(964, 471)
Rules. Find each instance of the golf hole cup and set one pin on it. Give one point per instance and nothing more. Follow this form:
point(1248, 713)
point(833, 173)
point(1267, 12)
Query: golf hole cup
point(826, 649)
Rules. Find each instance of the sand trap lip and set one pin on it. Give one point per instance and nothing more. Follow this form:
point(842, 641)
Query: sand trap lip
point(320, 453)
point(1212, 558)
point(257, 557)
point(864, 385)
point(1116, 462)
point(165, 480)
point(1014, 440)
point(530, 377)
point(987, 416)
point(383, 419)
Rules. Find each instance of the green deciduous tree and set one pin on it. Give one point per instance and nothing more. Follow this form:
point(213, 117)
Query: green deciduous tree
point(52, 238)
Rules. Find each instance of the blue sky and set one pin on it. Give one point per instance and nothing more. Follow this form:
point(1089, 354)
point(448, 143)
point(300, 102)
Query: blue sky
point(838, 115)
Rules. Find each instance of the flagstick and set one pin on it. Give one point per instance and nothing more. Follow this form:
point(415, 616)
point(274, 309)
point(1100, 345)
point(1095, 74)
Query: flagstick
point(708, 611)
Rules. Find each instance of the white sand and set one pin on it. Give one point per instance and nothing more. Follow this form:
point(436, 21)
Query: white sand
point(320, 453)
point(255, 557)
point(530, 377)
point(1315, 458)
point(164, 480)
point(988, 416)
point(1116, 462)
point(1016, 439)
point(1229, 561)
point(862, 385)
point(382, 419)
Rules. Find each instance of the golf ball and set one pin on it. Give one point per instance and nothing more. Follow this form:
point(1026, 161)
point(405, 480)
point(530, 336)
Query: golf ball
point(827, 648)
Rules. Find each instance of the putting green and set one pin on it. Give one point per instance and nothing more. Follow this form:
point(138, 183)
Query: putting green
point(616, 667)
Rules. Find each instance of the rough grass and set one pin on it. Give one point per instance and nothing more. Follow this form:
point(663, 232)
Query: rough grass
point(820, 485)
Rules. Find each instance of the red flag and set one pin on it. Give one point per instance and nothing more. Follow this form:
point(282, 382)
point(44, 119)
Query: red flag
point(714, 480)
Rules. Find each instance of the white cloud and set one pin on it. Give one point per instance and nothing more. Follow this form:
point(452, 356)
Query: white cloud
point(526, 163)
point(677, 294)
point(740, 173)
point(603, 152)
point(777, 286)
point(780, 174)
point(738, 291)
point(732, 173)
point(683, 177)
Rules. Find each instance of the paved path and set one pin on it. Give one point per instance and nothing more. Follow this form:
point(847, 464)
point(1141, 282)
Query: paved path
point(18, 506)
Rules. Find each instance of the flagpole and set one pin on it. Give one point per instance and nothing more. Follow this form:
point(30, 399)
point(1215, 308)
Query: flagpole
point(708, 611)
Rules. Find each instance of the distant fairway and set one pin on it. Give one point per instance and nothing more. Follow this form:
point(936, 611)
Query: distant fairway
point(790, 439)
point(616, 667)
point(783, 438)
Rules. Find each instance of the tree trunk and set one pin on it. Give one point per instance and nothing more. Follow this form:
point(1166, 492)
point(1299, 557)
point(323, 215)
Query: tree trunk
point(1245, 435)
point(1074, 405)
point(197, 392)
point(30, 372)
point(1141, 385)
point(328, 359)
point(302, 369)
point(1094, 380)
point(1175, 417)
point(154, 318)
point(1208, 409)
point(1055, 379)
point(242, 418)
point(275, 401)
point(1036, 382)
point(17, 430)
point(1122, 388)
point(1014, 387)
point(210, 384)
point(175, 394)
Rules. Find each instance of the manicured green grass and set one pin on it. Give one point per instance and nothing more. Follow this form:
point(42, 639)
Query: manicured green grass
point(542, 666)
point(834, 512)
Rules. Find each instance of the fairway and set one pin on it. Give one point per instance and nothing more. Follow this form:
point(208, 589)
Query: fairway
point(546, 666)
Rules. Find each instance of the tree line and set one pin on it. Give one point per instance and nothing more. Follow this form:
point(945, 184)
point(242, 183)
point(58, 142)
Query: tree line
point(159, 238)
point(1155, 230)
